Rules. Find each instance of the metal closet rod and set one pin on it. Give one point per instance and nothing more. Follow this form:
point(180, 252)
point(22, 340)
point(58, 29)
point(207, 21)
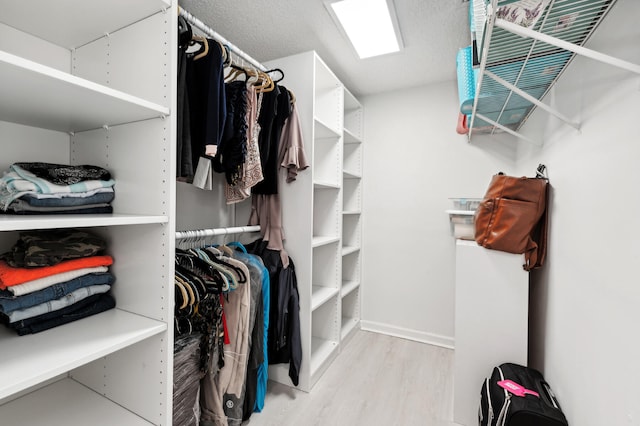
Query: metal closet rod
point(201, 233)
point(208, 31)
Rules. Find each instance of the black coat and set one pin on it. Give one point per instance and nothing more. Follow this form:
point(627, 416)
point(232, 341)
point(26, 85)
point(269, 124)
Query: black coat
point(284, 344)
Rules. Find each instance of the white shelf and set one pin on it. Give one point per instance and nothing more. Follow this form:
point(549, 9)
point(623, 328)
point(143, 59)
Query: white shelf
point(322, 241)
point(63, 403)
point(348, 287)
point(520, 64)
point(32, 359)
point(349, 250)
point(59, 69)
point(350, 137)
point(321, 350)
point(326, 185)
point(36, 95)
point(324, 131)
point(27, 222)
point(320, 294)
point(348, 325)
point(351, 212)
point(461, 212)
point(350, 102)
point(350, 175)
point(71, 23)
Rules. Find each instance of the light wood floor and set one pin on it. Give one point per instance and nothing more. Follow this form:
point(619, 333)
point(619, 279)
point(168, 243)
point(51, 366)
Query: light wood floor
point(377, 380)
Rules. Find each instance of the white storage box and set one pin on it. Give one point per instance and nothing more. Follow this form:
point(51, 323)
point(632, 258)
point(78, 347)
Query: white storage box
point(462, 217)
point(462, 224)
point(466, 203)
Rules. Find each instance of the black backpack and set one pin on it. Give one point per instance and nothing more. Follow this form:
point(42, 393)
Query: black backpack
point(518, 396)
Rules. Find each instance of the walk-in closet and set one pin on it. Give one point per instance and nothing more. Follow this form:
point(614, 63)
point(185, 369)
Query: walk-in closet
point(232, 213)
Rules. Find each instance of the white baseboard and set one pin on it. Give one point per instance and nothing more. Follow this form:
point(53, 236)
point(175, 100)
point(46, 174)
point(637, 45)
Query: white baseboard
point(406, 333)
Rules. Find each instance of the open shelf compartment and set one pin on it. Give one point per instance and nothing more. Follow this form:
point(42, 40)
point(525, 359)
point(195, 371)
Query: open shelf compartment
point(352, 199)
point(352, 118)
point(326, 213)
point(326, 161)
point(29, 360)
point(325, 335)
point(325, 274)
point(67, 402)
point(350, 312)
point(40, 96)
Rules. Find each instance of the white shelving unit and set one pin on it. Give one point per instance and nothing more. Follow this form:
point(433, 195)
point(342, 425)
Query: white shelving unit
point(519, 64)
point(312, 211)
point(351, 214)
point(92, 83)
point(322, 209)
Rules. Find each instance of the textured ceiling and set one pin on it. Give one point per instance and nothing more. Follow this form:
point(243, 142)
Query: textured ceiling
point(432, 32)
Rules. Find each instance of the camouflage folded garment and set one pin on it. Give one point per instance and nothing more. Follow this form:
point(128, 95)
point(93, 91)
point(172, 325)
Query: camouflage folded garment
point(50, 247)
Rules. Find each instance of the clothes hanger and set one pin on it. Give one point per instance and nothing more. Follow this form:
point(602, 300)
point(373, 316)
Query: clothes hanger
point(230, 281)
point(241, 277)
point(190, 263)
point(185, 32)
point(181, 295)
point(192, 281)
point(276, 70)
point(223, 51)
point(268, 85)
point(226, 54)
point(205, 44)
point(236, 71)
point(224, 248)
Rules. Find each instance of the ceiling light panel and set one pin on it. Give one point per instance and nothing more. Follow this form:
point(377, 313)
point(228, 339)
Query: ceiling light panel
point(370, 25)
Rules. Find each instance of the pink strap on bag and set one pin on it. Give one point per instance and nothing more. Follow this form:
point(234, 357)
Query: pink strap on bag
point(516, 389)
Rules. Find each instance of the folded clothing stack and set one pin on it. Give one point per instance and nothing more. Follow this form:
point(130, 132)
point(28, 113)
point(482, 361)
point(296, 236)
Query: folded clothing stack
point(45, 188)
point(53, 277)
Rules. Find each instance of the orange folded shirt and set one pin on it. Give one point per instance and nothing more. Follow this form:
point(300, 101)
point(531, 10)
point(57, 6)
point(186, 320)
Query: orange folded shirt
point(12, 276)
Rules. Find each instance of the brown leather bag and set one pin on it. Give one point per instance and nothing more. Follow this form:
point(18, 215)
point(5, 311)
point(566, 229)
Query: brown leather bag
point(513, 217)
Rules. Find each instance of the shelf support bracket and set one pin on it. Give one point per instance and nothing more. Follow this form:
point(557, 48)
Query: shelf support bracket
point(532, 99)
point(508, 130)
point(583, 51)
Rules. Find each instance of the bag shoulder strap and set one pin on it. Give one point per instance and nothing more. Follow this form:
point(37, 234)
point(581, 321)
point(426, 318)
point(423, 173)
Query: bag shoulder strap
point(536, 257)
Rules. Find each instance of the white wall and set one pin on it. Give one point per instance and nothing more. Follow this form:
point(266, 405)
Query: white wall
point(585, 304)
point(413, 162)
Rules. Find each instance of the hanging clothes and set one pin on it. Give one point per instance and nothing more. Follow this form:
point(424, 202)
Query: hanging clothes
point(266, 209)
point(292, 156)
point(257, 370)
point(184, 164)
point(198, 308)
point(232, 148)
point(256, 331)
point(252, 167)
point(186, 380)
point(275, 112)
point(206, 96)
point(220, 393)
point(284, 343)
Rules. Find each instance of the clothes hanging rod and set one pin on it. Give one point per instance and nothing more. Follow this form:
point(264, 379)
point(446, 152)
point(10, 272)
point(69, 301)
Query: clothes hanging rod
point(208, 31)
point(202, 233)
